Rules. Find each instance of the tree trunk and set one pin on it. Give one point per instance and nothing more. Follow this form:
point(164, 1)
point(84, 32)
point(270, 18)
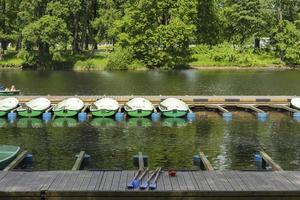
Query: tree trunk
point(19, 42)
point(75, 45)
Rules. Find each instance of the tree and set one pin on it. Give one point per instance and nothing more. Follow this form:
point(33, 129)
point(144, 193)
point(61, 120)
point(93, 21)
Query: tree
point(207, 22)
point(288, 42)
point(158, 32)
point(45, 40)
point(244, 19)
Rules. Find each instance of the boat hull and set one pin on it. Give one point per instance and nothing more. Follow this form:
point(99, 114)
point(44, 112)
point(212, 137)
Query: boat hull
point(174, 113)
point(139, 113)
point(30, 113)
point(104, 113)
point(7, 154)
point(10, 93)
point(3, 113)
point(66, 113)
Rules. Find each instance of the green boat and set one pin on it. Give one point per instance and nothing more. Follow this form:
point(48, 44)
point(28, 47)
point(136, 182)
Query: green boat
point(139, 107)
point(10, 93)
point(7, 105)
point(34, 108)
point(68, 108)
point(7, 154)
point(173, 108)
point(105, 107)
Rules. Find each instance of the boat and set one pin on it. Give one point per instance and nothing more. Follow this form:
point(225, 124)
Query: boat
point(34, 108)
point(7, 105)
point(68, 108)
point(13, 92)
point(105, 107)
point(295, 102)
point(173, 107)
point(139, 107)
point(7, 154)
point(10, 93)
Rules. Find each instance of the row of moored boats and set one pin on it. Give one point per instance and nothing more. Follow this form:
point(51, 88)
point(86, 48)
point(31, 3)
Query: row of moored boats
point(104, 107)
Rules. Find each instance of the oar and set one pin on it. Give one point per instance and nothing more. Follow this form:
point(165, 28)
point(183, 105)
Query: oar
point(153, 183)
point(145, 185)
point(137, 182)
point(131, 183)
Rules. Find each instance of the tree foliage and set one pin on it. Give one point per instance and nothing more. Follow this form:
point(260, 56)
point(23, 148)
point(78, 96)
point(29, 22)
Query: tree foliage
point(157, 33)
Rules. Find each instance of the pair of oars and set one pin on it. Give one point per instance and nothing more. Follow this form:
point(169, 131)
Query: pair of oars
point(151, 182)
point(136, 181)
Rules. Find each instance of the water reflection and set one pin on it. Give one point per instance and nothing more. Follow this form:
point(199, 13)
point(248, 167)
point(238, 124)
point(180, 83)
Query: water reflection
point(170, 143)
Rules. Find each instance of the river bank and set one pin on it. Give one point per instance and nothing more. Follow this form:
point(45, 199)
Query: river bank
point(98, 62)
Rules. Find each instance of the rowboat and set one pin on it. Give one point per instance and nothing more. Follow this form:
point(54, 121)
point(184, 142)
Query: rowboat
point(295, 102)
point(105, 107)
point(34, 108)
point(68, 108)
point(8, 104)
point(139, 107)
point(10, 93)
point(172, 107)
point(7, 154)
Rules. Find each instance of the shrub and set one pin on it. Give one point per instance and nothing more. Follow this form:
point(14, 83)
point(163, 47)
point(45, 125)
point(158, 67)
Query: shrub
point(120, 59)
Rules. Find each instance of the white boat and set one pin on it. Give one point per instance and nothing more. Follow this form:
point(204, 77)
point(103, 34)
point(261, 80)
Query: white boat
point(173, 107)
point(7, 105)
point(295, 102)
point(104, 107)
point(139, 107)
point(34, 107)
point(68, 107)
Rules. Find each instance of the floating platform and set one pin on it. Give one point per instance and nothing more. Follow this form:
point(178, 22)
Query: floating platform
point(92, 185)
point(191, 100)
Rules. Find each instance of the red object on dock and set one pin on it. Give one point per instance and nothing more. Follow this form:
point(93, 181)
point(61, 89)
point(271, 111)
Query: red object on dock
point(172, 173)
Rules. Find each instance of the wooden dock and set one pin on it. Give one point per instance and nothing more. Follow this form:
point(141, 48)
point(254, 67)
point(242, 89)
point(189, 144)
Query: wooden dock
point(75, 185)
point(191, 100)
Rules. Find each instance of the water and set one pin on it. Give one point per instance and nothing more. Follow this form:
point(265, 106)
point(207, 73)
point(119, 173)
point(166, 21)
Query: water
point(171, 144)
point(189, 82)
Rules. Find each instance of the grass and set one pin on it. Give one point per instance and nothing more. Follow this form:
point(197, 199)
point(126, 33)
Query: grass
point(221, 56)
point(226, 56)
point(11, 60)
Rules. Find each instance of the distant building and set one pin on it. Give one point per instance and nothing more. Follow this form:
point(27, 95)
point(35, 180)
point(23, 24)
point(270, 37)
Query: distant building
point(263, 43)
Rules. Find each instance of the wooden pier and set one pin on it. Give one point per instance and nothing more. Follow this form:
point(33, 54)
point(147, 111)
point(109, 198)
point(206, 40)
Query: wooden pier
point(75, 185)
point(191, 100)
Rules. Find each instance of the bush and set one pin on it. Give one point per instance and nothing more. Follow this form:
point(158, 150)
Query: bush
point(120, 59)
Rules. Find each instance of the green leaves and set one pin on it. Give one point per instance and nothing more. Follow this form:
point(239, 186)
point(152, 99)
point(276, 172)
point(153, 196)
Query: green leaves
point(47, 37)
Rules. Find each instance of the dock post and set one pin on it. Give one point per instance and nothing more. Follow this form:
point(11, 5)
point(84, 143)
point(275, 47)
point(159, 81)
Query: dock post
point(79, 161)
point(202, 161)
point(12, 117)
point(47, 115)
point(16, 161)
point(263, 159)
point(83, 116)
point(140, 160)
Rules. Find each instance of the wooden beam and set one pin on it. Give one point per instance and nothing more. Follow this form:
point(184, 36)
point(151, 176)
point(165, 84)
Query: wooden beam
point(251, 107)
point(270, 162)
point(78, 161)
point(218, 107)
point(205, 162)
point(284, 107)
point(16, 161)
point(84, 108)
point(141, 161)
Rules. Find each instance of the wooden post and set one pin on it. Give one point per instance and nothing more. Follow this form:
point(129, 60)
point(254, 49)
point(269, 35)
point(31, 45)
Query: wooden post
point(84, 108)
point(284, 107)
point(218, 107)
point(78, 161)
point(205, 162)
point(141, 161)
point(270, 162)
point(16, 161)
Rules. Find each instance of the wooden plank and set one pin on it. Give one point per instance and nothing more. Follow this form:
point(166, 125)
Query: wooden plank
point(218, 107)
point(116, 181)
point(78, 161)
point(234, 180)
point(284, 107)
point(141, 161)
point(109, 180)
point(166, 181)
point(16, 161)
point(96, 175)
point(205, 162)
point(123, 181)
point(181, 181)
point(251, 107)
point(270, 162)
point(71, 181)
point(87, 176)
point(191, 186)
point(213, 181)
point(201, 181)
